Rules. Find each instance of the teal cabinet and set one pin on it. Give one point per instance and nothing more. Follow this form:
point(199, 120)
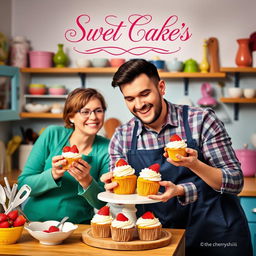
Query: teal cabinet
point(9, 93)
point(249, 206)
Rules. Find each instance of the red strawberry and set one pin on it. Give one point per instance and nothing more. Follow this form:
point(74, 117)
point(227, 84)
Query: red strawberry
point(53, 229)
point(121, 162)
point(104, 211)
point(3, 217)
point(66, 149)
point(155, 167)
point(148, 215)
point(13, 214)
point(20, 221)
point(46, 231)
point(121, 217)
point(4, 224)
point(74, 149)
point(175, 137)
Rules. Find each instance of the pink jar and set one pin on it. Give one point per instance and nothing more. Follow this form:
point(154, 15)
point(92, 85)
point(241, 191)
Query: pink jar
point(40, 59)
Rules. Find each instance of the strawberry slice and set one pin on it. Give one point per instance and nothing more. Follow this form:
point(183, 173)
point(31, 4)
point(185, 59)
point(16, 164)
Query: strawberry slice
point(148, 215)
point(104, 211)
point(53, 229)
point(3, 217)
point(13, 214)
point(74, 149)
point(175, 137)
point(20, 221)
point(4, 224)
point(66, 149)
point(121, 162)
point(154, 167)
point(121, 217)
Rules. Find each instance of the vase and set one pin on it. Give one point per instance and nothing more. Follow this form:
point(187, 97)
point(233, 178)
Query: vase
point(60, 59)
point(243, 56)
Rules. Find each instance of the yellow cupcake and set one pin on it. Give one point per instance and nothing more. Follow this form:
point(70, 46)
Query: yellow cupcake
point(71, 154)
point(176, 146)
point(148, 181)
point(172, 152)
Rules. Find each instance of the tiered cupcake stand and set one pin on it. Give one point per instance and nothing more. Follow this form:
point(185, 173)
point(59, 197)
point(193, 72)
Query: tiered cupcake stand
point(126, 204)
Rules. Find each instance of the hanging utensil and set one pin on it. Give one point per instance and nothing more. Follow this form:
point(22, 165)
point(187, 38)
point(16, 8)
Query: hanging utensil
point(21, 196)
point(2, 197)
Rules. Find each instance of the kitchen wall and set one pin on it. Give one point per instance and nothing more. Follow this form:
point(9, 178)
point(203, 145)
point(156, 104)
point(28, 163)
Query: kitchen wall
point(44, 23)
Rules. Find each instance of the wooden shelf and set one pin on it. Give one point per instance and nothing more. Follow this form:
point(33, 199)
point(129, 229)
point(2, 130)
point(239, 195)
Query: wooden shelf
point(238, 100)
point(110, 70)
point(238, 69)
point(40, 115)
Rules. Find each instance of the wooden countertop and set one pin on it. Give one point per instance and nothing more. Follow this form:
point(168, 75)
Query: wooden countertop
point(249, 188)
point(27, 245)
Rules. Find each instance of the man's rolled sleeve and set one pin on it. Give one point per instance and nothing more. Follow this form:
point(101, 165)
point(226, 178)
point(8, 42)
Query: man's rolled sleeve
point(190, 195)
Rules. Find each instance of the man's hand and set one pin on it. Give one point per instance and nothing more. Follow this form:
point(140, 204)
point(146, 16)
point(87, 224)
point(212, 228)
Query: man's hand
point(106, 178)
point(171, 190)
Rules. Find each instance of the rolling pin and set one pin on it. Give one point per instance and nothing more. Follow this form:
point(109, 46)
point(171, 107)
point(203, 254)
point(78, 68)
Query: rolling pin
point(213, 50)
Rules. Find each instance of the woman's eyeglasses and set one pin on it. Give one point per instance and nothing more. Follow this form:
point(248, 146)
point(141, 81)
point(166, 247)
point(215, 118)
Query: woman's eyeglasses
point(87, 112)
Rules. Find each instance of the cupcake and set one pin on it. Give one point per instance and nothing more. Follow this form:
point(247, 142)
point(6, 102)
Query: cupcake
point(176, 146)
point(124, 175)
point(71, 154)
point(148, 180)
point(149, 227)
point(122, 229)
point(101, 222)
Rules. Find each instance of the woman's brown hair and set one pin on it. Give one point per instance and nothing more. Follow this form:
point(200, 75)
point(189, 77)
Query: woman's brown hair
point(77, 99)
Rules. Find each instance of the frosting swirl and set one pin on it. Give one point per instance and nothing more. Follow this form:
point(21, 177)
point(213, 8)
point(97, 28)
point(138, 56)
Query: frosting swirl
point(123, 170)
point(102, 219)
point(176, 144)
point(71, 155)
point(122, 224)
point(149, 174)
point(148, 222)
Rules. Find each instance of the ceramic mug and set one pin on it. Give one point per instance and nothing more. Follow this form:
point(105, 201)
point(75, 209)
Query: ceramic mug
point(249, 93)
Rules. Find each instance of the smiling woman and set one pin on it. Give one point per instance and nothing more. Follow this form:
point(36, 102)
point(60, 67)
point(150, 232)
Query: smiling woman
point(71, 192)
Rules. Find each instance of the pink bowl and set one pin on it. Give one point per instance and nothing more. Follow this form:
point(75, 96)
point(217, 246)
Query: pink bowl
point(116, 62)
point(40, 59)
point(57, 91)
point(36, 91)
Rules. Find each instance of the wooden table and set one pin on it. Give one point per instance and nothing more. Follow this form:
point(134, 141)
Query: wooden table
point(27, 245)
point(249, 188)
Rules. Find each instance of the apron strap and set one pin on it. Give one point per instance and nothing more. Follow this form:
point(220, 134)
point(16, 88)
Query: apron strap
point(185, 122)
point(134, 136)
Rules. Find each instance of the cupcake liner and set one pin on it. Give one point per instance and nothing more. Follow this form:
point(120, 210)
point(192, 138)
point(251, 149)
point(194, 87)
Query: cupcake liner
point(126, 184)
point(69, 162)
point(147, 234)
point(100, 230)
point(122, 235)
point(147, 187)
point(172, 152)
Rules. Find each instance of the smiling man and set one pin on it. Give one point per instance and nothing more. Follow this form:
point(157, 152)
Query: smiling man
point(199, 193)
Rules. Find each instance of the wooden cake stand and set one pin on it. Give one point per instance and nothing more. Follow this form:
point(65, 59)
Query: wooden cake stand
point(127, 203)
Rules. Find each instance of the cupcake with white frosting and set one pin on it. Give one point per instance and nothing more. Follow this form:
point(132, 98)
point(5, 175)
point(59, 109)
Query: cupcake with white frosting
point(122, 228)
point(148, 180)
point(176, 146)
point(124, 176)
point(71, 154)
point(101, 222)
point(149, 227)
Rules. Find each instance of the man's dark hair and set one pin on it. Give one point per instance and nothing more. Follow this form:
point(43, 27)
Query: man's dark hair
point(132, 69)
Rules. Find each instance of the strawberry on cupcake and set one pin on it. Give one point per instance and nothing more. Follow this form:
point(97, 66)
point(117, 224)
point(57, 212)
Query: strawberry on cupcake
point(148, 180)
point(149, 227)
point(71, 154)
point(122, 228)
point(100, 223)
point(176, 146)
point(124, 176)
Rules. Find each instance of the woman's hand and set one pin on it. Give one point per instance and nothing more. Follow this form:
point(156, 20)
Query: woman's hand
point(57, 163)
point(191, 161)
point(171, 190)
point(106, 178)
point(80, 170)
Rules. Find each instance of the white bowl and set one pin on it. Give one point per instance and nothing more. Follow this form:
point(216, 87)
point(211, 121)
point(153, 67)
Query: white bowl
point(235, 92)
point(37, 108)
point(249, 93)
point(83, 63)
point(35, 229)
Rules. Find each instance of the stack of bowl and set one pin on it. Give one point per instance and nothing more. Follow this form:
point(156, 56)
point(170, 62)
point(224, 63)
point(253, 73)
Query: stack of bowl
point(37, 89)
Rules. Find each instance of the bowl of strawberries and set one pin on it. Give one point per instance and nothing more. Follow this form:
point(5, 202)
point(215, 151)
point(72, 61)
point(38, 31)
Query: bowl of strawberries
point(11, 227)
point(48, 233)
